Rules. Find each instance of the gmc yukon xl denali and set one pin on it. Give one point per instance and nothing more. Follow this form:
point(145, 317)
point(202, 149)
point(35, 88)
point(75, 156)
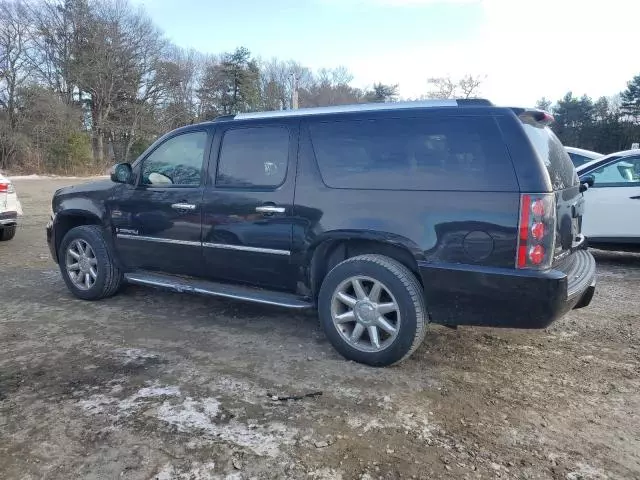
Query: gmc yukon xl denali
point(382, 217)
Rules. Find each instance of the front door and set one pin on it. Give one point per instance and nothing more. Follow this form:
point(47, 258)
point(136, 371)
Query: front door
point(158, 221)
point(612, 210)
point(248, 204)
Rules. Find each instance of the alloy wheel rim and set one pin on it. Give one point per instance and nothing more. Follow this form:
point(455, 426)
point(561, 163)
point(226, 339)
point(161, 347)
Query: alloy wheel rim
point(365, 313)
point(81, 264)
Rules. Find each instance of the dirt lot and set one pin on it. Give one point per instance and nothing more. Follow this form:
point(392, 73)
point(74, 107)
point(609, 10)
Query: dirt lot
point(151, 384)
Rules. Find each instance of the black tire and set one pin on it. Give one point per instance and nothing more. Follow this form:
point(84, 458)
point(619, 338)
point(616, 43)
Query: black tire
point(7, 233)
point(406, 290)
point(109, 277)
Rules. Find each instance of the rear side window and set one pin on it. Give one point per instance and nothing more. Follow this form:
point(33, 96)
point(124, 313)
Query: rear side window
point(253, 157)
point(454, 153)
point(552, 153)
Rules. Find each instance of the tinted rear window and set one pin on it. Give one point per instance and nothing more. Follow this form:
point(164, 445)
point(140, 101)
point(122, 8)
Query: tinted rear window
point(552, 153)
point(454, 153)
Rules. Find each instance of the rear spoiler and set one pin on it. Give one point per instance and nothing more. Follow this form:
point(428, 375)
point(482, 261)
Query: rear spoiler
point(535, 114)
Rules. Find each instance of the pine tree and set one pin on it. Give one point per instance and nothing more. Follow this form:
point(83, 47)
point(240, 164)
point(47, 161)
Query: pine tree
point(631, 99)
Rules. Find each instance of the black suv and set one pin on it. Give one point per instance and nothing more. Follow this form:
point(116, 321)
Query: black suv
point(384, 217)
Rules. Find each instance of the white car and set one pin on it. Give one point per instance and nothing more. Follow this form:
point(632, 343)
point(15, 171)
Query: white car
point(10, 209)
point(612, 214)
point(579, 156)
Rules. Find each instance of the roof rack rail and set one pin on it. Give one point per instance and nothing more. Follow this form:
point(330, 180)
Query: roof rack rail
point(474, 102)
point(362, 107)
point(220, 118)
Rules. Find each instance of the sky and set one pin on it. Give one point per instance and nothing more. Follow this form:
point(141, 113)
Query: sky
point(523, 49)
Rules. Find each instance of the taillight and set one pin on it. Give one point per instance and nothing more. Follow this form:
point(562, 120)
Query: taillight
point(536, 230)
point(6, 187)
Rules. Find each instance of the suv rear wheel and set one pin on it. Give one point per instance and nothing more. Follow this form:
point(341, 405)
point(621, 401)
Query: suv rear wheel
point(87, 265)
point(372, 310)
point(7, 233)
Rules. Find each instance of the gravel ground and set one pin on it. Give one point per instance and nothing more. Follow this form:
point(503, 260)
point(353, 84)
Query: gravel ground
point(156, 385)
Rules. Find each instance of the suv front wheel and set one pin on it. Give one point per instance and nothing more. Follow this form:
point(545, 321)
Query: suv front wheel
point(372, 310)
point(87, 265)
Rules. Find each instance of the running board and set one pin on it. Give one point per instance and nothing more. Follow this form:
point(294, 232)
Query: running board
point(205, 287)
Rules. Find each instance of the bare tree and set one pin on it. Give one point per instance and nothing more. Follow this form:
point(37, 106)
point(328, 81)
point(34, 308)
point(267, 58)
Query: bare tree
point(115, 62)
point(57, 26)
point(441, 87)
point(178, 72)
point(469, 86)
point(14, 55)
point(445, 87)
point(277, 80)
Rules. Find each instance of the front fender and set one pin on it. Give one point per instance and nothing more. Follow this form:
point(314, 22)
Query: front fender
point(65, 220)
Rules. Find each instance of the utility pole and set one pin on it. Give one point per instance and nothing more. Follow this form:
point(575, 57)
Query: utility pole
point(294, 91)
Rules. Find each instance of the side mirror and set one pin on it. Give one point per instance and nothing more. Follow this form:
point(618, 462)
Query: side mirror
point(586, 183)
point(122, 173)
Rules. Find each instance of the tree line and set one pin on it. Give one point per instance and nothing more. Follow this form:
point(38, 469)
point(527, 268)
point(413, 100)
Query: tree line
point(84, 83)
point(606, 125)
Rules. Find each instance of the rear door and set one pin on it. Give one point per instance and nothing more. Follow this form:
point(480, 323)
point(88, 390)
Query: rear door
point(614, 201)
point(564, 182)
point(248, 205)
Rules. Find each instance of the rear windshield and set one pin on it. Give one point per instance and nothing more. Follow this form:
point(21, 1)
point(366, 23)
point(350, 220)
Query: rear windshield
point(458, 153)
point(552, 153)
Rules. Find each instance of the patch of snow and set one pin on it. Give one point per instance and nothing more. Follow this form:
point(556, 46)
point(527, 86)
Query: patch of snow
point(365, 424)
point(155, 391)
point(97, 403)
point(417, 423)
point(135, 355)
point(586, 472)
point(190, 414)
point(117, 388)
point(233, 476)
point(100, 403)
point(193, 416)
point(195, 471)
point(196, 416)
point(326, 474)
point(247, 391)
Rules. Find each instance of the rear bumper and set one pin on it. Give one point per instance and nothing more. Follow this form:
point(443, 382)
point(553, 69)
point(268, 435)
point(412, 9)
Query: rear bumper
point(500, 297)
point(8, 218)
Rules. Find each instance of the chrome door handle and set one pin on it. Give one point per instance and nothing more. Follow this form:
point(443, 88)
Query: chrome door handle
point(270, 209)
point(183, 206)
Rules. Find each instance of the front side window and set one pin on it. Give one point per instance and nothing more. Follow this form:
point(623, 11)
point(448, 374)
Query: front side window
point(624, 172)
point(178, 161)
point(253, 157)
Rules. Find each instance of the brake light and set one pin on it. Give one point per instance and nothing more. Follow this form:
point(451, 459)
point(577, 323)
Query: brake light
point(6, 187)
point(536, 231)
point(537, 208)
